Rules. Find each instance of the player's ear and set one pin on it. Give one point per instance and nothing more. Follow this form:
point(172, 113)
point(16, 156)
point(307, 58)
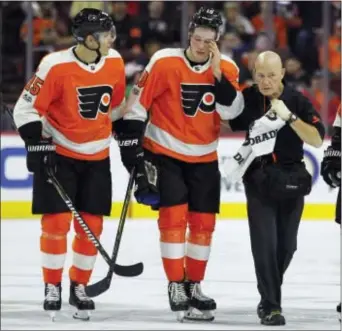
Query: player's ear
point(282, 73)
point(90, 40)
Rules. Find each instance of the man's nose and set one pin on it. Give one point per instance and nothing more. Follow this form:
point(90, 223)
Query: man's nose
point(266, 81)
point(201, 45)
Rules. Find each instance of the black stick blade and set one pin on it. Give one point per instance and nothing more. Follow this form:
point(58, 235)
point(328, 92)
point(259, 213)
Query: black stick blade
point(129, 270)
point(98, 288)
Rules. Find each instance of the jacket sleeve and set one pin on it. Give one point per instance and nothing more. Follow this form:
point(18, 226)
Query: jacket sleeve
point(308, 114)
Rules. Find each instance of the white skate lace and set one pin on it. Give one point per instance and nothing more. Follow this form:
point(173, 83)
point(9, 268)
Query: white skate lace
point(80, 293)
point(178, 293)
point(52, 293)
point(196, 292)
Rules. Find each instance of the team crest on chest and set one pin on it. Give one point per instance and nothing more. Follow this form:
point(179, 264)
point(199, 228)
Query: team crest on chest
point(197, 97)
point(94, 99)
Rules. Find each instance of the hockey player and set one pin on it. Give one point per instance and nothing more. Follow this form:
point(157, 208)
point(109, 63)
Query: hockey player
point(331, 169)
point(184, 93)
point(64, 115)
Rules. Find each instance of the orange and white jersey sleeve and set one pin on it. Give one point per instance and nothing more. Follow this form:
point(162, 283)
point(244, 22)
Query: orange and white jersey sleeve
point(337, 122)
point(37, 95)
point(118, 96)
point(151, 84)
point(230, 110)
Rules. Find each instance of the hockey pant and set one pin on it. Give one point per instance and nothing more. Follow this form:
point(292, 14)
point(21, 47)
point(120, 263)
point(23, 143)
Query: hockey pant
point(185, 257)
point(53, 246)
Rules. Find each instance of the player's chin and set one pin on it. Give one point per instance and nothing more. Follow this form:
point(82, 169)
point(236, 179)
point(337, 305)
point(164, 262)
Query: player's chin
point(104, 52)
point(201, 57)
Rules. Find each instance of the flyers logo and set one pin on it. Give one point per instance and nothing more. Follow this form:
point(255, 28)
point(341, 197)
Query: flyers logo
point(271, 115)
point(197, 97)
point(94, 99)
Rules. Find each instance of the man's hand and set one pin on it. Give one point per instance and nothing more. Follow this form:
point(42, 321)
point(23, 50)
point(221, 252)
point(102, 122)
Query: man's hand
point(279, 107)
point(215, 60)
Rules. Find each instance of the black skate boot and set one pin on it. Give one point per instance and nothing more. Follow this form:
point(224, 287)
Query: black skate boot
point(201, 306)
point(179, 301)
point(338, 309)
point(53, 300)
point(80, 301)
point(273, 318)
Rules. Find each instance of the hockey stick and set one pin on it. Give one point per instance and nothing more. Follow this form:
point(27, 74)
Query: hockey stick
point(103, 285)
point(126, 271)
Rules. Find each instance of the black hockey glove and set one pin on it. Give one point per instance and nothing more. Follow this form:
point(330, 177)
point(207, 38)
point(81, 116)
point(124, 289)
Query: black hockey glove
point(41, 155)
point(331, 167)
point(129, 135)
point(131, 150)
point(146, 184)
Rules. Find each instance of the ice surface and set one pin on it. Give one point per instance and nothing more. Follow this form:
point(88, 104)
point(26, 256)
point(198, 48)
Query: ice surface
point(310, 293)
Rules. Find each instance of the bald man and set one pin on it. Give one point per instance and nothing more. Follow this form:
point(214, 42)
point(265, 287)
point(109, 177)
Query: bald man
point(276, 183)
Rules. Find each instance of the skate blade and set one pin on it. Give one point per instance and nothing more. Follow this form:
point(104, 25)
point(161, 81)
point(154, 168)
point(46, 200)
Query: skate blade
point(196, 315)
point(180, 316)
point(83, 315)
point(52, 314)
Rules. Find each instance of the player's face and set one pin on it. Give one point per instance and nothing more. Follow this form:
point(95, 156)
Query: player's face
point(106, 40)
point(199, 43)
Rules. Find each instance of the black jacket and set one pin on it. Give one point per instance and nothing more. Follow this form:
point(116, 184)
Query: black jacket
point(289, 147)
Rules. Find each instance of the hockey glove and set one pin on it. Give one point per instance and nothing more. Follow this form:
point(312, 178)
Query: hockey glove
point(146, 184)
point(131, 150)
point(41, 155)
point(129, 135)
point(331, 167)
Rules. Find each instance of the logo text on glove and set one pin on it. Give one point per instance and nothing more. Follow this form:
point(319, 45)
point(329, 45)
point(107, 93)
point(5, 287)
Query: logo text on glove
point(131, 142)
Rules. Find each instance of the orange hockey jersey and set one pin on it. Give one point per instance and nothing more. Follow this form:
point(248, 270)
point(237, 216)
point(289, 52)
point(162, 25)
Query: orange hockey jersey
point(76, 102)
point(184, 118)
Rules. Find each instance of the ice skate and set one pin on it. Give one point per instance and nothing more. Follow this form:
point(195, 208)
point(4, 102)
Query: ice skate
point(179, 301)
point(53, 300)
point(201, 307)
point(83, 304)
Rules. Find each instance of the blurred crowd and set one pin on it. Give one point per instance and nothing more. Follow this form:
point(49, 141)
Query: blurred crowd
point(143, 27)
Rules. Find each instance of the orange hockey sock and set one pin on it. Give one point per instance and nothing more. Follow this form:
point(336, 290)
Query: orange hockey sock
point(84, 251)
point(53, 245)
point(172, 226)
point(201, 226)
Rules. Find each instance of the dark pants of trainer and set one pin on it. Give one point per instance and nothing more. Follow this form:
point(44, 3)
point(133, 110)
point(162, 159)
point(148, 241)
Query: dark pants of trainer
point(273, 227)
